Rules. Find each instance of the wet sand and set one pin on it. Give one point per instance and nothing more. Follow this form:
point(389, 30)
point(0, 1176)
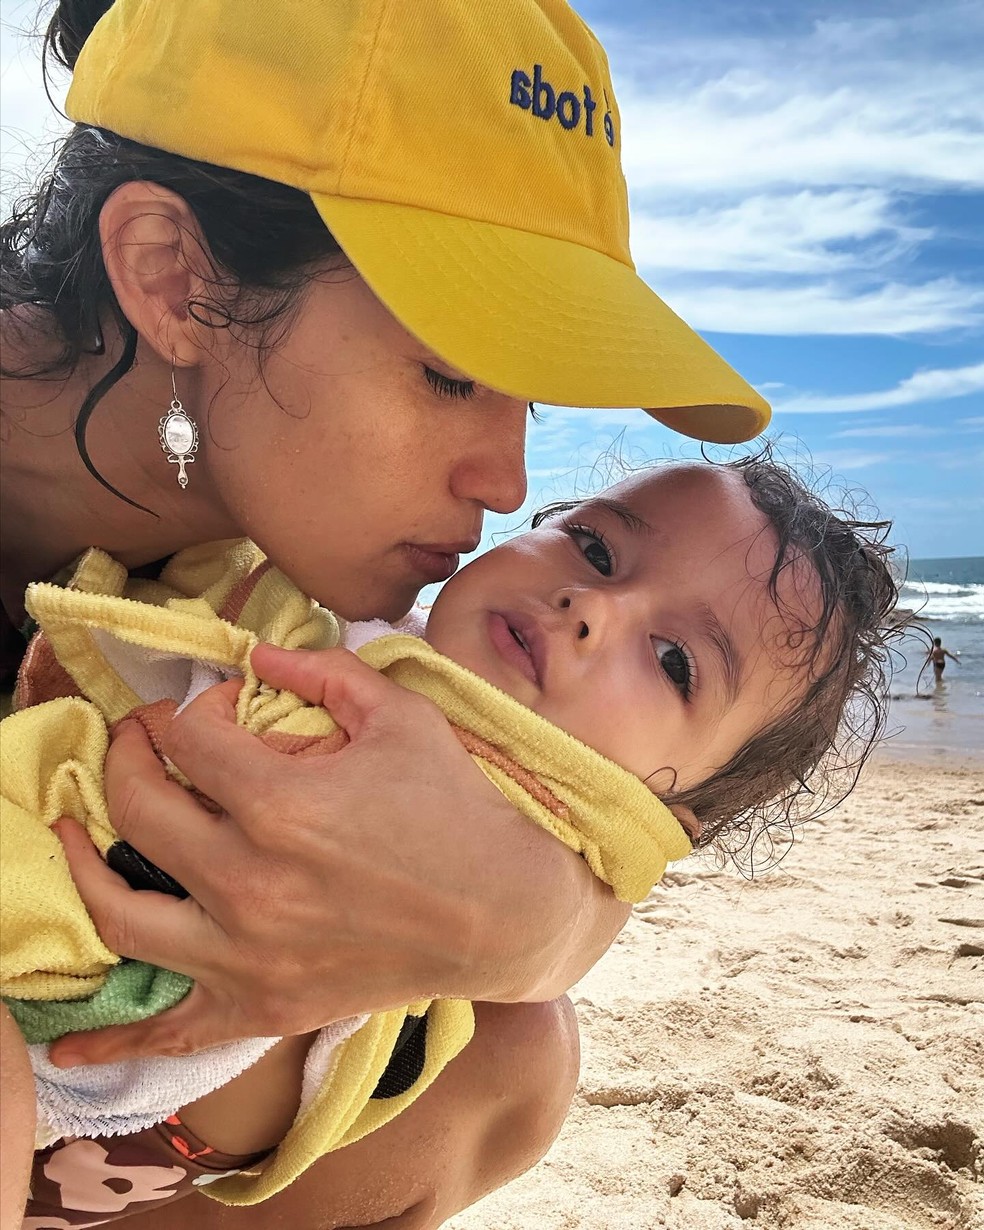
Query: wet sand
point(804, 1052)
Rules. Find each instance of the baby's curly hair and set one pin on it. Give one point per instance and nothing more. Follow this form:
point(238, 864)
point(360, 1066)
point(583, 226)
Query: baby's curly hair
point(807, 761)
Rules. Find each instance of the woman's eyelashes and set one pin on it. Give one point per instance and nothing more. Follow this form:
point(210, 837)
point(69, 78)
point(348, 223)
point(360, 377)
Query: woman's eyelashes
point(594, 548)
point(676, 664)
point(444, 386)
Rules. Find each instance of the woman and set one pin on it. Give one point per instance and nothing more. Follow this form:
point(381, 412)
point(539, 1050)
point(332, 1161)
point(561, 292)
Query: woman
point(272, 289)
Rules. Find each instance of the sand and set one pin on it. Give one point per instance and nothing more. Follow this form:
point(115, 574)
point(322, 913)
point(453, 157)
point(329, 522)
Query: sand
point(804, 1051)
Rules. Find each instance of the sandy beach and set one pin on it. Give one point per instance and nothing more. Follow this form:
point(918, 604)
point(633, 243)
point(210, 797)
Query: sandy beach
point(804, 1051)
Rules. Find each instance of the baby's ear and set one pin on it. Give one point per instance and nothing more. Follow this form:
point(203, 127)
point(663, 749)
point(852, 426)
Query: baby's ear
point(687, 819)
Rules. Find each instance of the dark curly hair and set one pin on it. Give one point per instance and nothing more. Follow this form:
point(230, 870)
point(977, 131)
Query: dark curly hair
point(263, 239)
point(807, 761)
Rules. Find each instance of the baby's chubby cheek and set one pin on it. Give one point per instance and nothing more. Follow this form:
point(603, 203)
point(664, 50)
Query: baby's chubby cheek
point(615, 724)
point(460, 641)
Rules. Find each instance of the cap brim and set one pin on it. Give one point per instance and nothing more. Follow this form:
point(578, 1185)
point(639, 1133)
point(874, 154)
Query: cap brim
point(542, 319)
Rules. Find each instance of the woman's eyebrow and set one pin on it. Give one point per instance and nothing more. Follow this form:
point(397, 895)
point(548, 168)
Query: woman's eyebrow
point(732, 663)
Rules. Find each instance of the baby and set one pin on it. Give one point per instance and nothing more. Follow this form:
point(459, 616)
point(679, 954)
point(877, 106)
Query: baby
point(661, 666)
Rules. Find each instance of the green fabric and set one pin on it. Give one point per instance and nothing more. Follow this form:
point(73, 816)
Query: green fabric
point(132, 991)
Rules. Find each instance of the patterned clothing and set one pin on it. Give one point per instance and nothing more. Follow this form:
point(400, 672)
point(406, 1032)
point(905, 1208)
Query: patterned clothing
point(114, 1176)
point(80, 1182)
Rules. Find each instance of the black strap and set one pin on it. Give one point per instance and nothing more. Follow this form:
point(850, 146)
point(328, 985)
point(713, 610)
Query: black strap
point(140, 872)
point(407, 1061)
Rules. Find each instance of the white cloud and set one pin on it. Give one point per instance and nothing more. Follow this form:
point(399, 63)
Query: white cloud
point(850, 459)
point(781, 171)
point(958, 460)
point(743, 132)
point(829, 307)
point(940, 384)
point(745, 105)
point(938, 504)
point(890, 431)
point(800, 233)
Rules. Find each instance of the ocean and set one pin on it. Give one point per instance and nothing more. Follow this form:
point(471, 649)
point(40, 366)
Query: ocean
point(926, 719)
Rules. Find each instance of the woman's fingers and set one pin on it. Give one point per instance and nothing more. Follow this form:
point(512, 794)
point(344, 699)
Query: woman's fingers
point(137, 784)
point(150, 926)
point(161, 819)
point(224, 761)
point(153, 927)
point(199, 1020)
point(246, 778)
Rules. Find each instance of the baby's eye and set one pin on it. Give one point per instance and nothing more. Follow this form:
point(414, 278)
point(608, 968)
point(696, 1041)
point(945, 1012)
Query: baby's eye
point(675, 663)
point(594, 549)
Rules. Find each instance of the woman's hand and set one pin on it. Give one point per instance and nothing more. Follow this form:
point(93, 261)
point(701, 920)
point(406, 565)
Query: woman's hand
point(387, 872)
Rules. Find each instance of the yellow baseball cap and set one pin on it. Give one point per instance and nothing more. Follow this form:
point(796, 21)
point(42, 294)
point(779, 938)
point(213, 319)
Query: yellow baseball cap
point(466, 156)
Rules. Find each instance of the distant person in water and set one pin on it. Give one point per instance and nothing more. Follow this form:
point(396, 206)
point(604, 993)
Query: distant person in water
point(938, 656)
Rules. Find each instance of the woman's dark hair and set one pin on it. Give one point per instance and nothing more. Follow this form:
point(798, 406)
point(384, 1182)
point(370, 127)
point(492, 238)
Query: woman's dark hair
point(808, 760)
point(263, 239)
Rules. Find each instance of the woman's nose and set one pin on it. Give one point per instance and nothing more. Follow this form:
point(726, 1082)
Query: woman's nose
point(494, 471)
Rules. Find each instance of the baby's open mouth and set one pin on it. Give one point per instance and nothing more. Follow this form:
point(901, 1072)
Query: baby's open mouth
point(515, 639)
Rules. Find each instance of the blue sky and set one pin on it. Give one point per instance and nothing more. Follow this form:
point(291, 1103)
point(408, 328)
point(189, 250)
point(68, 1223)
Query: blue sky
point(807, 190)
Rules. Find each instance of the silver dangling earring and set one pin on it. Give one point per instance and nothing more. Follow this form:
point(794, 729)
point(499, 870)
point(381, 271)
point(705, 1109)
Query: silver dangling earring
point(179, 435)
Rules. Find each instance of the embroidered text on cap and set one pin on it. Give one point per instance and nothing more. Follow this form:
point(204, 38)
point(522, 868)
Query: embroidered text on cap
point(540, 97)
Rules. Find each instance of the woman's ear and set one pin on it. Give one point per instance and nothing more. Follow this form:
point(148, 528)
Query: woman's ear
point(158, 261)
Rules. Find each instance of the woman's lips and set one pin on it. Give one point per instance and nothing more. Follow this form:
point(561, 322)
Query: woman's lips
point(431, 563)
point(506, 634)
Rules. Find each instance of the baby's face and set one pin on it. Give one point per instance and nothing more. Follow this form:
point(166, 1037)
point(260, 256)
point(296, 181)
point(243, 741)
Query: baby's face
point(640, 622)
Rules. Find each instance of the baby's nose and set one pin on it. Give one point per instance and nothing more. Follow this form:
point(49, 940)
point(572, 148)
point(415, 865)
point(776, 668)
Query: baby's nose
point(585, 608)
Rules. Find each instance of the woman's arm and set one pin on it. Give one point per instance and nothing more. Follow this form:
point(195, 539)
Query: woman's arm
point(389, 871)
